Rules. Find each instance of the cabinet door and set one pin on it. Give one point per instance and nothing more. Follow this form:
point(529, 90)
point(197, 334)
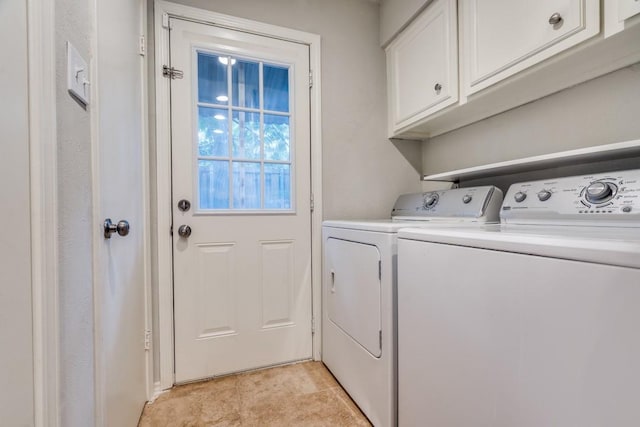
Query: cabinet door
point(628, 8)
point(422, 66)
point(503, 37)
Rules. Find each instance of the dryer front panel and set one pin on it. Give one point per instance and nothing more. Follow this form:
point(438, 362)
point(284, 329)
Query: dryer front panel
point(352, 278)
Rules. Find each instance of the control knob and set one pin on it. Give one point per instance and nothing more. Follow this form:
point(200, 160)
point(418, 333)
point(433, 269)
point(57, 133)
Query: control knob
point(520, 196)
point(599, 192)
point(431, 200)
point(466, 199)
point(544, 195)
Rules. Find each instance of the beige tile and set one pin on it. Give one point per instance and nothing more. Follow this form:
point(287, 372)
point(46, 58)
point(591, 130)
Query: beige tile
point(278, 383)
point(304, 394)
point(323, 408)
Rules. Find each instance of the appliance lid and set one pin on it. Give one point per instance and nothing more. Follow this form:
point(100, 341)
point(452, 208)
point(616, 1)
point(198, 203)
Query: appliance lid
point(610, 246)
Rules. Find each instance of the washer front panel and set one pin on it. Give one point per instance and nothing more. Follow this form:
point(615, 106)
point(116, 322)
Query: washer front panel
point(611, 199)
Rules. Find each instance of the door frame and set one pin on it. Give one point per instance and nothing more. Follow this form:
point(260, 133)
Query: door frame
point(163, 10)
point(44, 209)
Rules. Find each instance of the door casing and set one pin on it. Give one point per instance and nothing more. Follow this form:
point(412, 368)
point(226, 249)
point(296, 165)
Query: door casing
point(163, 338)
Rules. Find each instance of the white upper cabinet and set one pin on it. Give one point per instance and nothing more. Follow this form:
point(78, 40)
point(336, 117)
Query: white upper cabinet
point(502, 37)
point(422, 66)
point(619, 14)
point(511, 52)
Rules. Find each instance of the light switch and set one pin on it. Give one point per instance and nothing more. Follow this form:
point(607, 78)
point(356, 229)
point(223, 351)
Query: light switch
point(77, 75)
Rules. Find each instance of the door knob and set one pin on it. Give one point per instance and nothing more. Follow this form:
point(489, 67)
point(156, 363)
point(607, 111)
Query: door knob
point(122, 228)
point(555, 19)
point(184, 231)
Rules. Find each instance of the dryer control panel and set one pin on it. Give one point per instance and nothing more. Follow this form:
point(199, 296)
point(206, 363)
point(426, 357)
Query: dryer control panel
point(609, 199)
point(477, 204)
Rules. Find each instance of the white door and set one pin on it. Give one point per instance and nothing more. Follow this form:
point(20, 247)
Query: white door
point(120, 309)
point(241, 158)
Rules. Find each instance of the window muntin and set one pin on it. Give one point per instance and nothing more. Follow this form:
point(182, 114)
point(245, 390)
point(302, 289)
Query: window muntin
point(244, 149)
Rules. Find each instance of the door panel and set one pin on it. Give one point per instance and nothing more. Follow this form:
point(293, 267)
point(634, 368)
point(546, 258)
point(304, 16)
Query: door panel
point(241, 157)
point(353, 299)
point(121, 369)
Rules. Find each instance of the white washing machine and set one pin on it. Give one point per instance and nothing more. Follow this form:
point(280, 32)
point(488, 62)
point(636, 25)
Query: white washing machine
point(359, 290)
point(534, 322)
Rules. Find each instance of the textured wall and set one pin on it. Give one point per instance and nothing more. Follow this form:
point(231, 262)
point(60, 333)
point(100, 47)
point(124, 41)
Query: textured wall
point(600, 111)
point(74, 23)
point(16, 375)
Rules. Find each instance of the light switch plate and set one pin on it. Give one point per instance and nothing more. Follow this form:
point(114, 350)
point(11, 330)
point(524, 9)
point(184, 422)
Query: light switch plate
point(77, 75)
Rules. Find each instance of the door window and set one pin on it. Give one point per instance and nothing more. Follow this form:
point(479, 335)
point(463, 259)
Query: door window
point(243, 134)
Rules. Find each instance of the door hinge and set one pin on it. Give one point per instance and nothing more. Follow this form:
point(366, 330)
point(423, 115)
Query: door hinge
point(380, 338)
point(142, 46)
point(312, 203)
point(171, 230)
point(310, 79)
point(147, 339)
point(313, 325)
point(379, 270)
point(171, 73)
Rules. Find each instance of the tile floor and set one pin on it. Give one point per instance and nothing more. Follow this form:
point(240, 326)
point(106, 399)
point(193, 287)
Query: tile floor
point(303, 394)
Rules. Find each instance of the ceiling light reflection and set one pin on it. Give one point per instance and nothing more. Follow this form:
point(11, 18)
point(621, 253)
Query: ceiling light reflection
point(225, 60)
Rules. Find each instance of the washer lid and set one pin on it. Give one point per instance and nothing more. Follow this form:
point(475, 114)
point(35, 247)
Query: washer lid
point(610, 246)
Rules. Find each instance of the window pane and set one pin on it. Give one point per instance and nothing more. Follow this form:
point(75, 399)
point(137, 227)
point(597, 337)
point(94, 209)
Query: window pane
point(246, 185)
point(213, 132)
point(212, 78)
point(276, 137)
point(246, 135)
point(277, 186)
point(246, 84)
point(276, 88)
point(213, 184)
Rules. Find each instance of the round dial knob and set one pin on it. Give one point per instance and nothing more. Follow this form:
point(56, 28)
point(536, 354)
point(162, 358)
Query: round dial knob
point(466, 199)
point(544, 195)
point(599, 192)
point(430, 201)
point(520, 196)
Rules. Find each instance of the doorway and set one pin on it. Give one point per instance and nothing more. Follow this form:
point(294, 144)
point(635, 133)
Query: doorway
point(243, 161)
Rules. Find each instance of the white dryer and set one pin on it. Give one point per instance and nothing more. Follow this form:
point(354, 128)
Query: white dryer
point(359, 290)
point(534, 322)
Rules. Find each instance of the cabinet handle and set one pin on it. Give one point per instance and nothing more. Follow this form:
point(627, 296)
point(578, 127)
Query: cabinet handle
point(437, 88)
point(554, 19)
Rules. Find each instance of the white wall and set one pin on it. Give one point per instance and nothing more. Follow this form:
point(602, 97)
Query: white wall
point(74, 23)
point(363, 171)
point(16, 361)
point(601, 111)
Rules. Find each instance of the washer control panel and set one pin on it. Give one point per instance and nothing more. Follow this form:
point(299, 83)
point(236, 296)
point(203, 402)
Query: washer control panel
point(481, 204)
point(609, 199)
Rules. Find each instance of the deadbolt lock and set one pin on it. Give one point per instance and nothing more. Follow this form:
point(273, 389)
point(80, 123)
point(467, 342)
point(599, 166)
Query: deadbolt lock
point(184, 205)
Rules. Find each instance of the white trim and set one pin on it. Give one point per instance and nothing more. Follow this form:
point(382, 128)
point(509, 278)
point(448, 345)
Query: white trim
point(44, 226)
point(96, 268)
point(157, 391)
point(146, 189)
point(164, 260)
